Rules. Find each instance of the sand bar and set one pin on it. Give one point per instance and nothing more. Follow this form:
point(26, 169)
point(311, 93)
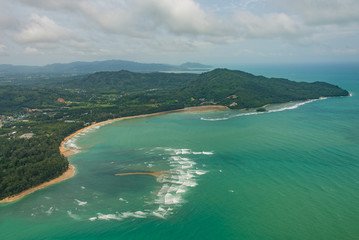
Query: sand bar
point(155, 174)
point(70, 172)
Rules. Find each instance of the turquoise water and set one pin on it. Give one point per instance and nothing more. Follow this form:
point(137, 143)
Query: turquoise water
point(291, 174)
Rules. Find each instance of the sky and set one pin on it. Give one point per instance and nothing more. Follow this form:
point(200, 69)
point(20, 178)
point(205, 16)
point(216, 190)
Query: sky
point(215, 32)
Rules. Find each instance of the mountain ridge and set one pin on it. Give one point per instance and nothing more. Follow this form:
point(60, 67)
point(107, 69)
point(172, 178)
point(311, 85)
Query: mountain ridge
point(81, 67)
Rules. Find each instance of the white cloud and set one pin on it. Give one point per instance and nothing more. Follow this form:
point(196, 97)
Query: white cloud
point(140, 17)
point(158, 27)
point(42, 30)
point(179, 16)
point(266, 26)
point(322, 12)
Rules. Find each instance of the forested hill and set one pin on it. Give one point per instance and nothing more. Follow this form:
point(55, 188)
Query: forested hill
point(126, 81)
point(233, 88)
point(243, 90)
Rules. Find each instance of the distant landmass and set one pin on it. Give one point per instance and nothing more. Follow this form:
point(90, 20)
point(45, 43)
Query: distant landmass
point(98, 66)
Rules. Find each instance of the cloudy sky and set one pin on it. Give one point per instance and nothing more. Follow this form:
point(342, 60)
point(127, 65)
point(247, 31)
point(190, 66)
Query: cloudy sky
point(217, 32)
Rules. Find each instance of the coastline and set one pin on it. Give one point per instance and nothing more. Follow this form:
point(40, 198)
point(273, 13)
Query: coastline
point(68, 152)
point(71, 171)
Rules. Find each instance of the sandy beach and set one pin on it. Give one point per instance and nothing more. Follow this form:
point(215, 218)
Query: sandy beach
point(68, 152)
point(66, 175)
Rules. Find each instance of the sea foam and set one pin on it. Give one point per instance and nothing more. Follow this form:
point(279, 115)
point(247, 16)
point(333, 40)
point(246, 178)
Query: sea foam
point(80, 203)
point(175, 183)
point(288, 106)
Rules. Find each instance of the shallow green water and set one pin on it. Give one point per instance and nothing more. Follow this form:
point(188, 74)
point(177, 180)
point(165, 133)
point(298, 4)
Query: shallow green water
point(291, 174)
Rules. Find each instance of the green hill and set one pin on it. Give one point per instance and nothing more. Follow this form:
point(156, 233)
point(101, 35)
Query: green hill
point(126, 81)
point(244, 90)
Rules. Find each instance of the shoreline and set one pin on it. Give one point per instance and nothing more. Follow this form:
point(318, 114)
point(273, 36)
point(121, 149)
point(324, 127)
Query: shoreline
point(69, 152)
point(71, 171)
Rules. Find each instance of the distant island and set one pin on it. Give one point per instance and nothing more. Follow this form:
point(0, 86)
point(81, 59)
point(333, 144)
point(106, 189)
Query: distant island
point(36, 116)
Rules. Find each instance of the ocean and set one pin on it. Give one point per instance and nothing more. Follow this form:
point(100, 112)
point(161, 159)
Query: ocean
point(289, 173)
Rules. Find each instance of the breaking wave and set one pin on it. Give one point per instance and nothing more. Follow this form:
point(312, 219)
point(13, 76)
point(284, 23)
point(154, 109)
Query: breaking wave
point(175, 183)
point(80, 203)
point(71, 143)
point(288, 106)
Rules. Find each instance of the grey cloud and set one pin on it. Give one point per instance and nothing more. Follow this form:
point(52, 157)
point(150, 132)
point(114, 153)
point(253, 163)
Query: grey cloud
point(51, 5)
point(139, 18)
point(42, 29)
point(266, 26)
point(180, 17)
point(323, 12)
point(2, 48)
point(40, 34)
point(120, 27)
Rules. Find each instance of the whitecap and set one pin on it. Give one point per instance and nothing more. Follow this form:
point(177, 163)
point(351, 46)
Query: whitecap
point(203, 153)
point(172, 199)
point(80, 203)
point(137, 214)
point(207, 153)
point(175, 151)
point(108, 217)
point(200, 172)
point(48, 212)
point(189, 183)
point(123, 200)
point(182, 151)
point(120, 216)
point(181, 189)
point(158, 214)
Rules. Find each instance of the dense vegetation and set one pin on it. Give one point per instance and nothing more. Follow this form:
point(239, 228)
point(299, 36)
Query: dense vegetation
point(245, 90)
point(53, 110)
point(125, 81)
point(28, 162)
